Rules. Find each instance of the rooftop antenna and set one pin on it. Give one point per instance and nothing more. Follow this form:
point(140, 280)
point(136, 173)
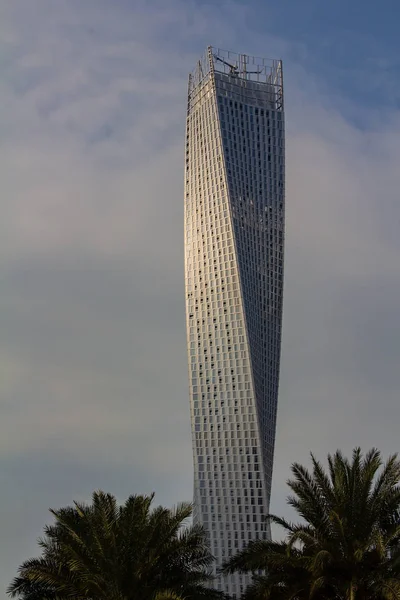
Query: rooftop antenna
point(234, 69)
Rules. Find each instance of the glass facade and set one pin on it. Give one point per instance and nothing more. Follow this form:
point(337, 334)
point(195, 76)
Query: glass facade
point(234, 242)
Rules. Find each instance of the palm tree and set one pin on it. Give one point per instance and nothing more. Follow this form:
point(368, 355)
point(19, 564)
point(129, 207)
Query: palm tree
point(347, 546)
point(129, 552)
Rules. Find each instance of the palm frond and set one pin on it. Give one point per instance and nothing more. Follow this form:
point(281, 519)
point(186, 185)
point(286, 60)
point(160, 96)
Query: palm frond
point(349, 540)
point(102, 551)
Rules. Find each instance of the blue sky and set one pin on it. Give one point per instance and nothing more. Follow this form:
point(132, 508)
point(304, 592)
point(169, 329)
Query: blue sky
point(92, 346)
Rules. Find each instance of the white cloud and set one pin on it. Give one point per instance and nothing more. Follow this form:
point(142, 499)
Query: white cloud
point(93, 365)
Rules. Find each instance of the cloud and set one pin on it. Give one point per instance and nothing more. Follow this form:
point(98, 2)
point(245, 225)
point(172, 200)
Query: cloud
point(341, 350)
point(92, 347)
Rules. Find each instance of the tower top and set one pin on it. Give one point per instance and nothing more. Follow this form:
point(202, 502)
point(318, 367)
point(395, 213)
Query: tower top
point(241, 74)
point(237, 66)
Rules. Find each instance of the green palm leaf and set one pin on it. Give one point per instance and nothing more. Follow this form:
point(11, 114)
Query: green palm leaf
point(347, 546)
point(103, 551)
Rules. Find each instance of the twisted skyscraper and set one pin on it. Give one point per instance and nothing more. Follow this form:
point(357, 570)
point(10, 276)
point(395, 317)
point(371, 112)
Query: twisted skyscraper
point(234, 241)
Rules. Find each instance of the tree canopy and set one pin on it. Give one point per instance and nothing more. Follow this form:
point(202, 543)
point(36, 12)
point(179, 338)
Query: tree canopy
point(346, 546)
point(130, 552)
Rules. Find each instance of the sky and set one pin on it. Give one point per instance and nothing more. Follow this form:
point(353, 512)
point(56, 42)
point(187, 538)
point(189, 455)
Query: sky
point(93, 372)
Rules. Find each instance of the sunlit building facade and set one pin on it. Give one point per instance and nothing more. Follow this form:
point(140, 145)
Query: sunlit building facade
point(234, 244)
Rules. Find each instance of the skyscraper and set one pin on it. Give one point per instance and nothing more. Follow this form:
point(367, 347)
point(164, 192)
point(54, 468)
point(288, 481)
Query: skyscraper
point(234, 241)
